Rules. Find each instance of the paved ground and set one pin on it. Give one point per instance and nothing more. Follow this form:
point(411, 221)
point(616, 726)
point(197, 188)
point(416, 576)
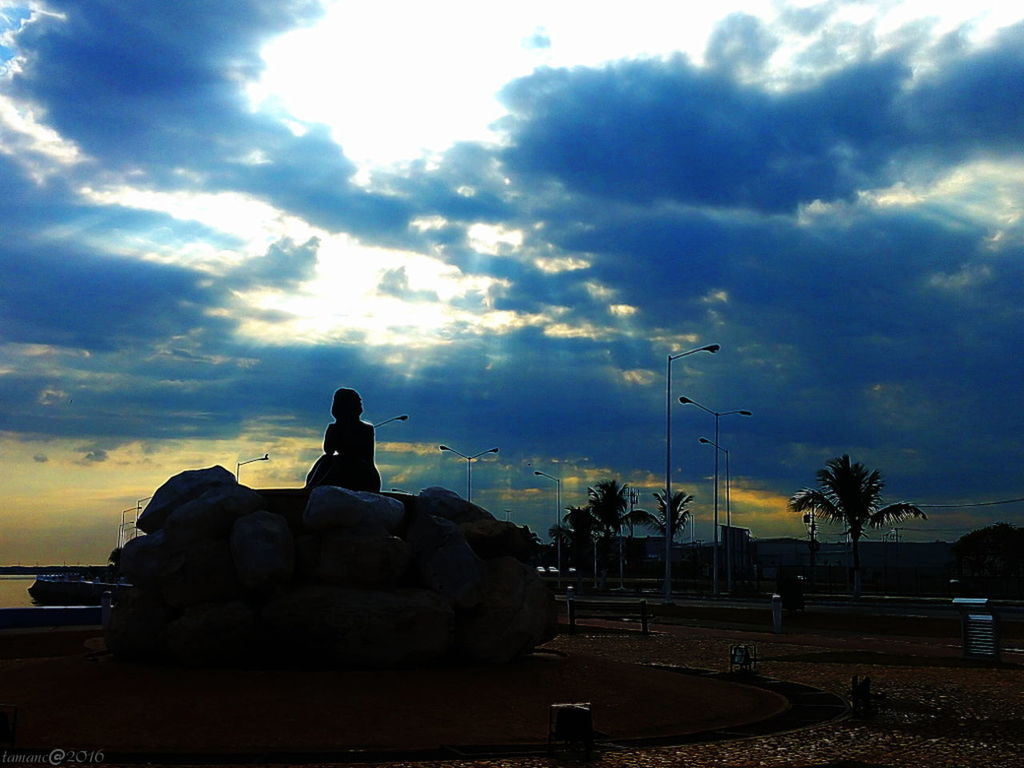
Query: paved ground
point(939, 711)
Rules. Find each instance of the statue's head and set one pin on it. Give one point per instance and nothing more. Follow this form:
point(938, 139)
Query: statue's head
point(347, 403)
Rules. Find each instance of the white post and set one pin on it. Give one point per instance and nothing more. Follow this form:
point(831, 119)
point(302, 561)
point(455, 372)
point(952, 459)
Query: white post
point(777, 614)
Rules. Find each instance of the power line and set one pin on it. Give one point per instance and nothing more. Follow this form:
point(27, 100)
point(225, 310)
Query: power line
point(970, 504)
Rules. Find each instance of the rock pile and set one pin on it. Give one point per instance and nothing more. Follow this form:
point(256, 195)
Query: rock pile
point(224, 576)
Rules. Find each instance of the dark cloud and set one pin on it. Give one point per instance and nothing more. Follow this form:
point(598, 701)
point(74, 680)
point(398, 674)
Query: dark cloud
point(158, 87)
point(76, 298)
point(95, 456)
point(666, 130)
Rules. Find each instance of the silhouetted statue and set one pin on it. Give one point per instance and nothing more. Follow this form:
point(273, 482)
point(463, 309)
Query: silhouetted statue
point(348, 448)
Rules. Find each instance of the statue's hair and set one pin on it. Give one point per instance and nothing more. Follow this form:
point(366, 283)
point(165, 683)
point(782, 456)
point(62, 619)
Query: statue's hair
point(346, 402)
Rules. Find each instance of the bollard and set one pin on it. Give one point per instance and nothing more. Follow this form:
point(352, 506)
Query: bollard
point(777, 614)
point(570, 607)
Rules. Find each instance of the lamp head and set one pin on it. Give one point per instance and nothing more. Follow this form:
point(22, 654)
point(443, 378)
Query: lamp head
point(266, 457)
point(744, 413)
point(712, 348)
point(403, 417)
point(685, 400)
point(703, 440)
point(493, 450)
point(443, 448)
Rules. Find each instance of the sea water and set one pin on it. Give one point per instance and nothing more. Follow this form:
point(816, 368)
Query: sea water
point(14, 591)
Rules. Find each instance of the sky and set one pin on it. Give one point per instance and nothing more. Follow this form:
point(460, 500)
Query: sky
point(501, 221)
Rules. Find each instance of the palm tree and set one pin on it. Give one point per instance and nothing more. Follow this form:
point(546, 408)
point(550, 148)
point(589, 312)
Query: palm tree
point(848, 493)
point(678, 506)
point(580, 524)
point(608, 504)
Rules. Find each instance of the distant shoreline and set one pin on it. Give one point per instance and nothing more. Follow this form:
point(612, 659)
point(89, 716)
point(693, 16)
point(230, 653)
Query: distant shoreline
point(32, 570)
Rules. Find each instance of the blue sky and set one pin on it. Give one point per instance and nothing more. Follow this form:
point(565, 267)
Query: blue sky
point(501, 223)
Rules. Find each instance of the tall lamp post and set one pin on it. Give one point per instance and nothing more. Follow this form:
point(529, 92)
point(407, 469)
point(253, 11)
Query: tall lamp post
point(240, 464)
point(403, 417)
point(728, 516)
point(469, 466)
point(718, 415)
point(558, 511)
point(669, 533)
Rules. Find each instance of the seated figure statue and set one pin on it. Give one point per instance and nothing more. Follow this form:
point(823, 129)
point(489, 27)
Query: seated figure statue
point(348, 448)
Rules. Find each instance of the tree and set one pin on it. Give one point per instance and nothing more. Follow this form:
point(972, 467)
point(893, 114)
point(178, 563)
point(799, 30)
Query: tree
point(608, 505)
point(996, 550)
point(580, 524)
point(849, 494)
point(679, 512)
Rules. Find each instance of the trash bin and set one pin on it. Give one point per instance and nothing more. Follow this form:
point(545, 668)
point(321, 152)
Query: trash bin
point(791, 590)
point(979, 628)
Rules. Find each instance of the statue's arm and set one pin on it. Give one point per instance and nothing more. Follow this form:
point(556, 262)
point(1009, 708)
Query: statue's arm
point(331, 439)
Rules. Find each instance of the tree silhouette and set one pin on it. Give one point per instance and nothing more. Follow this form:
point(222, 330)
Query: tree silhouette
point(849, 494)
point(680, 513)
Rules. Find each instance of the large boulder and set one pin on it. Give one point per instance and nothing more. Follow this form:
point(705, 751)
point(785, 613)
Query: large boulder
point(214, 633)
point(201, 573)
point(307, 556)
point(444, 561)
point(326, 576)
point(360, 512)
point(137, 627)
point(262, 550)
point(181, 488)
point(360, 627)
point(516, 614)
point(211, 515)
point(362, 561)
point(442, 502)
point(140, 560)
point(497, 538)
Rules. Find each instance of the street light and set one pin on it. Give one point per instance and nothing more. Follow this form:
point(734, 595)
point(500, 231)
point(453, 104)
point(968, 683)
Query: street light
point(240, 464)
point(469, 466)
point(728, 517)
point(712, 348)
point(718, 415)
point(558, 510)
point(403, 417)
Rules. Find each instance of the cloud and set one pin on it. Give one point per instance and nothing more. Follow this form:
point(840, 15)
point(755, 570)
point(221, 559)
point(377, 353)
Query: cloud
point(654, 130)
point(284, 265)
point(181, 268)
point(95, 456)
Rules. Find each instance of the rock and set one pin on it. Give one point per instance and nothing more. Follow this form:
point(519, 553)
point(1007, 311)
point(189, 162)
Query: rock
point(362, 561)
point(442, 502)
point(361, 628)
point(516, 614)
point(140, 560)
point(498, 538)
point(307, 556)
point(262, 550)
point(444, 561)
point(181, 488)
point(214, 633)
point(331, 507)
point(201, 573)
point(136, 631)
point(211, 515)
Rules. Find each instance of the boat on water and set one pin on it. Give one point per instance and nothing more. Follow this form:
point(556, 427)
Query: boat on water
point(71, 589)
